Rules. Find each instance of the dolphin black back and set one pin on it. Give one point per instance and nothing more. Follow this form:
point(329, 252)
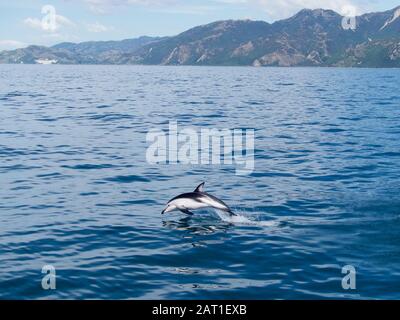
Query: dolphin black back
point(190, 195)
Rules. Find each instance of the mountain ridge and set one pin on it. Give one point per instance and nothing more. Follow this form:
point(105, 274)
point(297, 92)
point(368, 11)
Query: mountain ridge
point(308, 38)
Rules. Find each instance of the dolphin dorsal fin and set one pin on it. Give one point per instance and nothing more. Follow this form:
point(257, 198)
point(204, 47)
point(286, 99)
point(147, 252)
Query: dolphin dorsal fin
point(200, 187)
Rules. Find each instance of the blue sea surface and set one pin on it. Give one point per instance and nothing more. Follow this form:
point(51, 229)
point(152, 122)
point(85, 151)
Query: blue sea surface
point(76, 191)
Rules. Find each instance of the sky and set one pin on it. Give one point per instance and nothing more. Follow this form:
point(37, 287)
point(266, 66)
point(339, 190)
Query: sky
point(25, 22)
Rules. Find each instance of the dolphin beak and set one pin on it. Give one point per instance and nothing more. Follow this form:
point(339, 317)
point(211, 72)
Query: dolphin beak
point(168, 208)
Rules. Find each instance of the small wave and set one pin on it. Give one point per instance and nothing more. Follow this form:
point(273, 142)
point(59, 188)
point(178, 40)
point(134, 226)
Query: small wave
point(240, 219)
point(103, 106)
point(333, 130)
point(88, 166)
point(111, 117)
point(127, 179)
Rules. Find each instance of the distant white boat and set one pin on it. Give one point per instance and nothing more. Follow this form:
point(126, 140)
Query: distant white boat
point(46, 61)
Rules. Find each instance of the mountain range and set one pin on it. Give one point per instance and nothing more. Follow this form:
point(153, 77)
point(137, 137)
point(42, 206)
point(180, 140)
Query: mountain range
point(309, 38)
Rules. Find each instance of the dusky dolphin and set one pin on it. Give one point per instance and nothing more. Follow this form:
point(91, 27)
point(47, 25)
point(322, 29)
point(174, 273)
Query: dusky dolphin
point(196, 200)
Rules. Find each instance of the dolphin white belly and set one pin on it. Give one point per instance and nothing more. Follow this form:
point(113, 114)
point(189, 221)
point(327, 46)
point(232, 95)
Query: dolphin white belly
point(190, 204)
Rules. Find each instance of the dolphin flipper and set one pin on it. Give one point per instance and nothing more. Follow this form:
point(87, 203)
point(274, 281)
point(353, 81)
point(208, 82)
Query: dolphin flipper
point(186, 211)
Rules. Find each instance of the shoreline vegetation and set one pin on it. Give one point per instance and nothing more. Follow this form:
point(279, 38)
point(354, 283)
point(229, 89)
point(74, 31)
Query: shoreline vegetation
point(310, 38)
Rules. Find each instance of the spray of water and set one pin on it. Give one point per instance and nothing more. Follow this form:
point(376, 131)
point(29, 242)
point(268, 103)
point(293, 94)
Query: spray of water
point(241, 219)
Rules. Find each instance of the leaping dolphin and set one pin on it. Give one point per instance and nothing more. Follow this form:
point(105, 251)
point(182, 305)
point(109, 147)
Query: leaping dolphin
point(195, 200)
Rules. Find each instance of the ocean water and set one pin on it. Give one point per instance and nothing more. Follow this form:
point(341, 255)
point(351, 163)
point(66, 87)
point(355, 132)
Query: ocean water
point(77, 193)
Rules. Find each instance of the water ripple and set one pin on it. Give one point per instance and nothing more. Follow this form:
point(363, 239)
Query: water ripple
point(77, 192)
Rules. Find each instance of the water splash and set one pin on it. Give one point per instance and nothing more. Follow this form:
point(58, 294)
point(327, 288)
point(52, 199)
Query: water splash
point(241, 219)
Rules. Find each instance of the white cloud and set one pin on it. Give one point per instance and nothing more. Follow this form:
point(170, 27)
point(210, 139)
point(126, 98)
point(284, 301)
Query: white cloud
point(33, 23)
point(103, 6)
point(280, 9)
point(11, 44)
point(63, 21)
point(60, 21)
point(274, 9)
point(97, 27)
point(187, 9)
point(285, 8)
point(164, 6)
